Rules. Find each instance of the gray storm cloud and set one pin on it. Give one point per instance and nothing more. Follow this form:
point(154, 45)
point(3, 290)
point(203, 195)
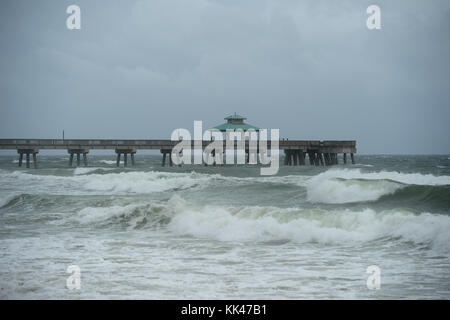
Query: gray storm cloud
point(139, 69)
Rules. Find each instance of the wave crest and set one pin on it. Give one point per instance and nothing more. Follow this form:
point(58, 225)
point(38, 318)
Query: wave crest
point(349, 185)
point(253, 223)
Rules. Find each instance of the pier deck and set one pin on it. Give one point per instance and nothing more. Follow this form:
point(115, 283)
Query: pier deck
point(319, 152)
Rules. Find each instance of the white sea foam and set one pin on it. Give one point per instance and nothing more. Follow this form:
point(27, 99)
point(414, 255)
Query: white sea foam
point(298, 180)
point(260, 224)
point(255, 223)
point(406, 178)
point(110, 183)
point(97, 214)
point(353, 185)
point(108, 161)
point(306, 225)
point(85, 170)
point(321, 189)
point(6, 198)
point(143, 182)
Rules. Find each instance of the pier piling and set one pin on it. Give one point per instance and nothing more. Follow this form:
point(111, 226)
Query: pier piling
point(301, 157)
point(28, 152)
point(35, 160)
point(319, 152)
point(78, 152)
point(311, 158)
point(286, 157)
point(118, 159)
point(125, 152)
point(20, 159)
point(321, 159)
point(164, 158)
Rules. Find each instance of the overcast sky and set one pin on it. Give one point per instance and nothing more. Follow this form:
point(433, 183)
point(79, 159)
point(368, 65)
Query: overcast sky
point(139, 69)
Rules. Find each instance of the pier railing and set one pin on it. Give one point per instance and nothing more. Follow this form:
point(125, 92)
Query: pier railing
point(153, 144)
point(319, 152)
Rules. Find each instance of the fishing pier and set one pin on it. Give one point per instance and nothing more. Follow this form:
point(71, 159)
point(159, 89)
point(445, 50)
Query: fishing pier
point(296, 152)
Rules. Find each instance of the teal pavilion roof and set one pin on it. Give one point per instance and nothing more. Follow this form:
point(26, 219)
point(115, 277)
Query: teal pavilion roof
point(235, 122)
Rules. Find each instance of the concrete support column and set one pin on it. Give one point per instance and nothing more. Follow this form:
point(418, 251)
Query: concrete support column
point(332, 158)
point(345, 158)
point(295, 154)
point(27, 152)
point(286, 158)
point(311, 157)
point(125, 151)
point(316, 159)
point(352, 155)
point(78, 152)
point(180, 154)
point(28, 159)
point(165, 153)
point(35, 160)
point(118, 159)
point(164, 158)
point(302, 156)
point(321, 159)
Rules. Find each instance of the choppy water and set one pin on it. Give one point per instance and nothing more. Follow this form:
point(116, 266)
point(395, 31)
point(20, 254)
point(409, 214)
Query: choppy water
point(225, 232)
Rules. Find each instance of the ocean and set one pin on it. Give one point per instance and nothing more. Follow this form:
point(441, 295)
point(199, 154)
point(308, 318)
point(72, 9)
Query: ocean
point(225, 232)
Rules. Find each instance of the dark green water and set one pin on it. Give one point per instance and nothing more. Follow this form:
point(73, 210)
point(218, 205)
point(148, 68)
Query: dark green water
point(225, 232)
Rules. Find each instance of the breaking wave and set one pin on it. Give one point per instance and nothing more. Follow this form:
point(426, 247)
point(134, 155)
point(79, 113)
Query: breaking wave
point(254, 223)
point(348, 186)
point(95, 180)
point(89, 180)
point(108, 161)
point(86, 170)
point(6, 199)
